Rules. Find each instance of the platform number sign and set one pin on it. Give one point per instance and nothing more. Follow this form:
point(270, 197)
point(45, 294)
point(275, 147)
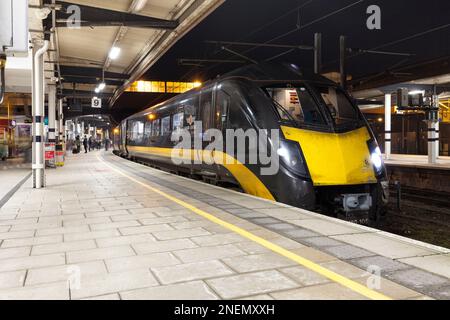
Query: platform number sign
point(96, 103)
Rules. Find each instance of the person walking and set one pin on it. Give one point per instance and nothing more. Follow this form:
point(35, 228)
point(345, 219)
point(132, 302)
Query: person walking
point(85, 144)
point(77, 144)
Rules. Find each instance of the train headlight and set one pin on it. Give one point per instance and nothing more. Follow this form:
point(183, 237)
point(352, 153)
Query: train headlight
point(291, 157)
point(377, 159)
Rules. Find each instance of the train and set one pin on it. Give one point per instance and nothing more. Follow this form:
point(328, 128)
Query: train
point(329, 159)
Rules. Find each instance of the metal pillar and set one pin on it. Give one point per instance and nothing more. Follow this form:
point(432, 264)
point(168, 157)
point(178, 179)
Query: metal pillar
point(433, 133)
point(387, 125)
point(61, 121)
point(38, 116)
point(436, 129)
point(317, 53)
point(82, 130)
point(52, 121)
point(342, 56)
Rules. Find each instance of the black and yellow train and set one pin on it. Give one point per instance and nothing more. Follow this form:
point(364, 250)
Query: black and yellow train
point(329, 158)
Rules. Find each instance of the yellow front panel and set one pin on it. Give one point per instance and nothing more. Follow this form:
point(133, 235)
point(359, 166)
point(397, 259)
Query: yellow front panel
point(333, 158)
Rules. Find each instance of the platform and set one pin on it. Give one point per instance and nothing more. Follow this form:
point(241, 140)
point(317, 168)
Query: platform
point(417, 161)
point(107, 228)
point(414, 172)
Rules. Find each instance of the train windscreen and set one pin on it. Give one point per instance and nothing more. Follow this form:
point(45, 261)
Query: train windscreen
point(341, 109)
point(296, 104)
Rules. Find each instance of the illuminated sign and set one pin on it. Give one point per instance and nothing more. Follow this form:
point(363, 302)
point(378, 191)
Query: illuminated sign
point(162, 86)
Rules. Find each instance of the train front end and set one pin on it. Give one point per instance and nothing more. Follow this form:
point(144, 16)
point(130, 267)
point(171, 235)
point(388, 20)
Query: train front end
point(329, 153)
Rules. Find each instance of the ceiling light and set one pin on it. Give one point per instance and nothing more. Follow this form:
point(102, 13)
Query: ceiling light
point(102, 86)
point(114, 53)
point(139, 5)
point(97, 90)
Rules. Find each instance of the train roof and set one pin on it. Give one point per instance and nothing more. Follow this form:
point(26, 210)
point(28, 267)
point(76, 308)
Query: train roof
point(266, 72)
point(261, 72)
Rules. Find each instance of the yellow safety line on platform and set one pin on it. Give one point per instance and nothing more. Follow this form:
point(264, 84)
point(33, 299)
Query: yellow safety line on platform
point(348, 283)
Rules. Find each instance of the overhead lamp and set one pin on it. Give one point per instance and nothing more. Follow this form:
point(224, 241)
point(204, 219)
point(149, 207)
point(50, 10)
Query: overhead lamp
point(139, 5)
point(97, 90)
point(114, 53)
point(102, 86)
point(414, 92)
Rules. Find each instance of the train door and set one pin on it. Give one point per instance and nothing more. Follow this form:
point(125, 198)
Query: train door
point(221, 114)
point(123, 137)
point(206, 110)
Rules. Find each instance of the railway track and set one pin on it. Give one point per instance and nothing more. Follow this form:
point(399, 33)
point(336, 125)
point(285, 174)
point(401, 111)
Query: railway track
point(423, 216)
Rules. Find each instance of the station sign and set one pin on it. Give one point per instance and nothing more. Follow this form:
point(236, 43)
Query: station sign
point(49, 153)
point(96, 103)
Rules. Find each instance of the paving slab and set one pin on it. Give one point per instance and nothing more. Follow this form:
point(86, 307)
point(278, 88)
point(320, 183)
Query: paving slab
point(384, 246)
point(196, 290)
point(233, 287)
point(106, 237)
point(438, 264)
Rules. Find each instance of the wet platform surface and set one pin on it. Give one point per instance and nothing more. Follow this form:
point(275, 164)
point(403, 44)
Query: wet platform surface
point(108, 228)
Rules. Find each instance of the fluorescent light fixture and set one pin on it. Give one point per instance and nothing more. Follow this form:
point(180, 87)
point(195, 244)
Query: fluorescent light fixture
point(139, 5)
point(114, 53)
point(417, 92)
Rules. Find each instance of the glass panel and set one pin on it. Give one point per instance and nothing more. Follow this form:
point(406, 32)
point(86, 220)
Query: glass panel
point(156, 126)
point(206, 102)
point(147, 132)
point(298, 104)
point(165, 125)
point(177, 122)
point(340, 107)
point(222, 106)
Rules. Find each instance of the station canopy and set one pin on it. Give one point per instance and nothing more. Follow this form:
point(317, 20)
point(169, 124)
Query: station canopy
point(95, 42)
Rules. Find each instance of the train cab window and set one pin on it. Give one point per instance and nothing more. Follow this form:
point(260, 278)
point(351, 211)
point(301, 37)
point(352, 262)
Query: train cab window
point(339, 106)
point(223, 101)
point(296, 103)
point(177, 121)
point(165, 125)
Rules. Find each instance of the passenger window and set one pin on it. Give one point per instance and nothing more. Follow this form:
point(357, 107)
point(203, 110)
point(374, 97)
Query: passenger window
point(165, 125)
point(137, 132)
point(177, 122)
point(189, 107)
point(156, 127)
point(147, 131)
point(222, 107)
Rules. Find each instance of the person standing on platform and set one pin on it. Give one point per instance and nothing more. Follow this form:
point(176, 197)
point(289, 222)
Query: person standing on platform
point(77, 144)
point(85, 144)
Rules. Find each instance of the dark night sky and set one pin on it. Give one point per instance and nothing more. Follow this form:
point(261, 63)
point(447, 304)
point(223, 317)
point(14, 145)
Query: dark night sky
point(250, 20)
point(265, 20)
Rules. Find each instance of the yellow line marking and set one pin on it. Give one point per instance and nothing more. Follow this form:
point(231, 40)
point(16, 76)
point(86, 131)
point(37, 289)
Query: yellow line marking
point(348, 283)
